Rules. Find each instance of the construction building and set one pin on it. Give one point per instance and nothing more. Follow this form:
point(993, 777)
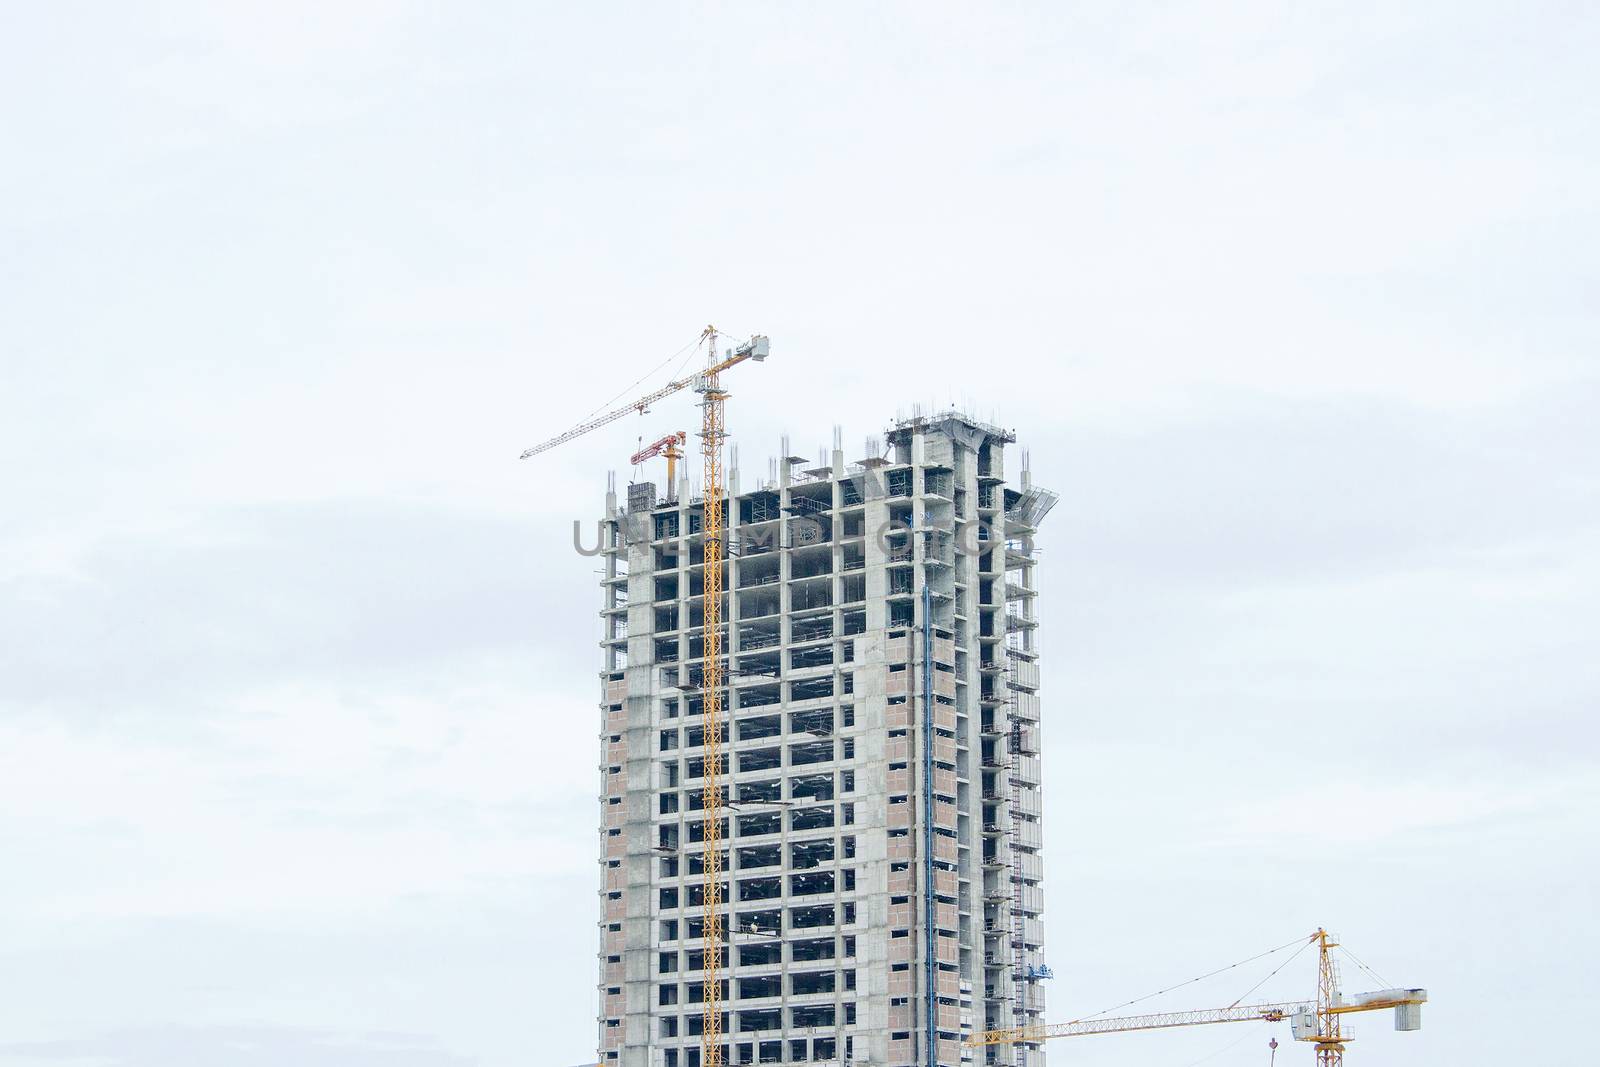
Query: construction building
point(883, 877)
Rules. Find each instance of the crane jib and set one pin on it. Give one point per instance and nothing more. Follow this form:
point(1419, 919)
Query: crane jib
point(1315, 1021)
point(757, 348)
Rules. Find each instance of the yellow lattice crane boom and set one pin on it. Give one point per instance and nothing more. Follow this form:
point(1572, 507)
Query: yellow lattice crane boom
point(708, 383)
point(1316, 1021)
point(755, 348)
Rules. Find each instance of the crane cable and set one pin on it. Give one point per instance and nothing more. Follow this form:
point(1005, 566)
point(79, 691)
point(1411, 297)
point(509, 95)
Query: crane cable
point(1357, 961)
point(628, 389)
point(1138, 1000)
point(1275, 970)
point(686, 351)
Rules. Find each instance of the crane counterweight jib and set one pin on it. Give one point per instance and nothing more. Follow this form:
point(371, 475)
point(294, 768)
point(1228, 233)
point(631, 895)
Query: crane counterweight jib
point(1381, 998)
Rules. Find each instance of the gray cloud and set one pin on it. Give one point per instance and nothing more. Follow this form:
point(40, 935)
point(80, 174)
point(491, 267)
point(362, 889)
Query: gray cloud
point(236, 1046)
point(244, 597)
point(1255, 492)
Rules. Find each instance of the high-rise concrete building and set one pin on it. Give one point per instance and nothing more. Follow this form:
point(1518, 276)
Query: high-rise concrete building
point(882, 862)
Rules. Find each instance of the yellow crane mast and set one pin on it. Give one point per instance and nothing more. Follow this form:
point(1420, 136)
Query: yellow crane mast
point(1314, 1021)
point(711, 434)
point(708, 383)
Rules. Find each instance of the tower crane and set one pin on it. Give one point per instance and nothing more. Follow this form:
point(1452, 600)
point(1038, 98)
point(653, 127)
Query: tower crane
point(670, 446)
point(1317, 1021)
point(708, 383)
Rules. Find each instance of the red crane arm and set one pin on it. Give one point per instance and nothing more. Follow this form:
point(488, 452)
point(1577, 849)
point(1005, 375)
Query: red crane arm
point(651, 451)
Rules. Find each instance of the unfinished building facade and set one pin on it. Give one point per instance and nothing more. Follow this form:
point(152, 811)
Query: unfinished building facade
point(883, 878)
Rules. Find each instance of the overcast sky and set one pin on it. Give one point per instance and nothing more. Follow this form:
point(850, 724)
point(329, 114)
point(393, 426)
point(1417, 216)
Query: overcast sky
point(1293, 304)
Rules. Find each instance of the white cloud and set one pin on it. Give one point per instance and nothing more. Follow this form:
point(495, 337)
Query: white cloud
point(1336, 813)
point(297, 799)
